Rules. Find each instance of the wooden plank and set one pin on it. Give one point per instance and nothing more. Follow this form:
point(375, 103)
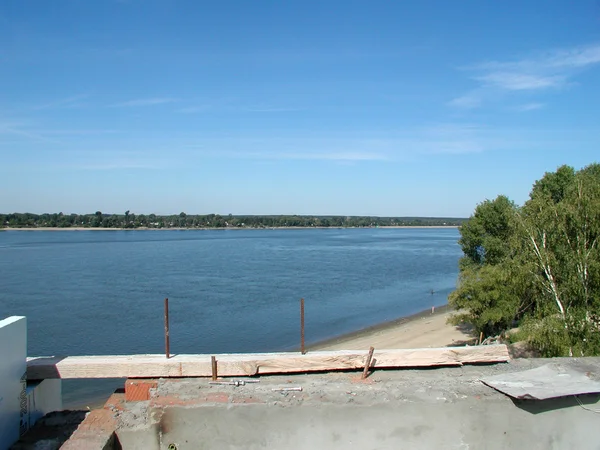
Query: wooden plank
point(156, 366)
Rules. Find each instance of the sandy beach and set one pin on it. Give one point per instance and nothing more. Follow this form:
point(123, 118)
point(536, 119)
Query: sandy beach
point(421, 330)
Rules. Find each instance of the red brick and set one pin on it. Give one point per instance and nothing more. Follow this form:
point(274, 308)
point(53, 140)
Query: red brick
point(174, 400)
point(217, 398)
point(139, 389)
point(96, 431)
point(167, 400)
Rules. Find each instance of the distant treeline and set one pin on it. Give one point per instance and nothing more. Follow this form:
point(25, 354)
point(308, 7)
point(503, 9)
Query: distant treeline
point(183, 220)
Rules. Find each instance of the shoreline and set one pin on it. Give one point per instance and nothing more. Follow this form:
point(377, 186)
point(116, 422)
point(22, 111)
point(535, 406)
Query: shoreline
point(425, 328)
point(225, 228)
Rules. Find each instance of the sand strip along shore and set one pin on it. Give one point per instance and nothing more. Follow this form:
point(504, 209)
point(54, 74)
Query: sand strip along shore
point(422, 330)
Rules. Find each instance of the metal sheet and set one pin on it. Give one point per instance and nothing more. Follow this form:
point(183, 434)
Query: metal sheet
point(548, 381)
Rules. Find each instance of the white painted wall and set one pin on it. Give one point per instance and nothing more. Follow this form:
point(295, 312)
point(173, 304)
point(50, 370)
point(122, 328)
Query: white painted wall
point(21, 404)
point(13, 363)
point(42, 397)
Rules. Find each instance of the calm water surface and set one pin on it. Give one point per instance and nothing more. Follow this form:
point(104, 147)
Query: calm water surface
point(102, 292)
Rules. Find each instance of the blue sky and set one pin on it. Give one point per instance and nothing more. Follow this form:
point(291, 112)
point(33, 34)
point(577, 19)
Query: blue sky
point(305, 107)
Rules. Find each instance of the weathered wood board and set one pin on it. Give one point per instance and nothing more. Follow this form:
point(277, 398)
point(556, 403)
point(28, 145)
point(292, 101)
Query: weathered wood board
point(157, 366)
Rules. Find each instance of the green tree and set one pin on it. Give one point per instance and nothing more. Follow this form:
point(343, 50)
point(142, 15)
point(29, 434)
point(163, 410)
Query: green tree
point(181, 221)
point(538, 265)
point(97, 221)
point(562, 228)
point(485, 238)
point(490, 293)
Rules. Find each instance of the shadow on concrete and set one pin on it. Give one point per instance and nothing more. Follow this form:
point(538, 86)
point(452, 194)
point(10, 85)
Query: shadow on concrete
point(552, 404)
point(51, 431)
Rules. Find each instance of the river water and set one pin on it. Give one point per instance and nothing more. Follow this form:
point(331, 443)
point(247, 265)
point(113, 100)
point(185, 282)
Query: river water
point(102, 292)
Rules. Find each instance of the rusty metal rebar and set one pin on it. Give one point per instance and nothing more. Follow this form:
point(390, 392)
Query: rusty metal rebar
point(368, 363)
point(302, 348)
point(213, 361)
point(167, 343)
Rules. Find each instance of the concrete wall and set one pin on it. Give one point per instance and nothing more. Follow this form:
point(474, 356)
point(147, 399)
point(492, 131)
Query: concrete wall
point(21, 404)
point(463, 425)
point(13, 357)
point(446, 408)
point(42, 397)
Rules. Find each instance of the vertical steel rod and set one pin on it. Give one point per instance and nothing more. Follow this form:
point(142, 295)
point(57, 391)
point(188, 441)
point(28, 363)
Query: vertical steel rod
point(368, 363)
point(302, 349)
point(167, 344)
point(213, 361)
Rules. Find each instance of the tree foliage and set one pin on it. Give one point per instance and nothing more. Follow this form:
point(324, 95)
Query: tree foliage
point(183, 220)
point(537, 265)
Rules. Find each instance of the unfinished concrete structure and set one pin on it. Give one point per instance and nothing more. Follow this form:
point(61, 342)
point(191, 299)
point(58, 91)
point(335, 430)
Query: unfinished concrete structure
point(417, 408)
point(414, 408)
point(22, 402)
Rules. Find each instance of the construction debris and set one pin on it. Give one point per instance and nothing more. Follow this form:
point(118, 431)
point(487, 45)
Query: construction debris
point(548, 381)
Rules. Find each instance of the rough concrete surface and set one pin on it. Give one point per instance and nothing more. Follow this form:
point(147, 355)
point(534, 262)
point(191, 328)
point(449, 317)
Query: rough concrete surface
point(428, 408)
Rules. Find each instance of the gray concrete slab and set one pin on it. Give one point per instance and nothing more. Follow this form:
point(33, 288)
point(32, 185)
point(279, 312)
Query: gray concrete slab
point(416, 409)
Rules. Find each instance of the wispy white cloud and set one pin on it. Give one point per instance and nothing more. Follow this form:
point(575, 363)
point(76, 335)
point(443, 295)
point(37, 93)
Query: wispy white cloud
point(449, 138)
point(520, 81)
point(530, 106)
point(81, 157)
point(228, 107)
point(394, 145)
point(117, 165)
point(27, 131)
point(18, 129)
point(77, 132)
point(121, 152)
point(268, 109)
point(144, 102)
point(194, 109)
point(557, 59)
point(311, 155)
point(552, 69)
point(68, 102)
point(468, 101)
point(577, 57)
